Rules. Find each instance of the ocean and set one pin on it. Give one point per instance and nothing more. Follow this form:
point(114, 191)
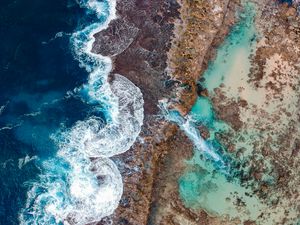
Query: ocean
point(60, 120)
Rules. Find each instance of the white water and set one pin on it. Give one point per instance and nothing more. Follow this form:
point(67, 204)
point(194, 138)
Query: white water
point(187, 125)
point(73, 189)
point(3, 107)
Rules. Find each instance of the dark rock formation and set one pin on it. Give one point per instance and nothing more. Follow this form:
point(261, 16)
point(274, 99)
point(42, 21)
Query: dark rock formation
point(140, 39)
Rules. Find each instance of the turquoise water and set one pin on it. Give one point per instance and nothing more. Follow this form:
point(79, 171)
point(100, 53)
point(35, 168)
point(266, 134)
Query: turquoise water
point(232, 60)
point(202, 111)
point(213, 179)
point(205, 184)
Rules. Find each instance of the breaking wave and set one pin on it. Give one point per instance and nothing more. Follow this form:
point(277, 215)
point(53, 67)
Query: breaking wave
point(81, 184)
point(187, 125)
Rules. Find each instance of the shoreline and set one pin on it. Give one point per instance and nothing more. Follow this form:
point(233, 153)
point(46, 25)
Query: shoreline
point(137, 59)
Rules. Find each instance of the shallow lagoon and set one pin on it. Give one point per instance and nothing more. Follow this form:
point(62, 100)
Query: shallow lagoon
point(204, 185)
point(214, 186)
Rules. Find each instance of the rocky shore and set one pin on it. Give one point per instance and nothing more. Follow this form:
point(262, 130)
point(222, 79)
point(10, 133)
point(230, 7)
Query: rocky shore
point(163, 47)
point(144, 43)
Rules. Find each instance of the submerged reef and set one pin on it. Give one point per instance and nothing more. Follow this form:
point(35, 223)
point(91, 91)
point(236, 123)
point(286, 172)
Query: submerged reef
point(220, 139)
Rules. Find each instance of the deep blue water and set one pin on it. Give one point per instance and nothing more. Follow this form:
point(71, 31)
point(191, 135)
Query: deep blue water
point(36, 72)
point(60, 119)
point(287, 1)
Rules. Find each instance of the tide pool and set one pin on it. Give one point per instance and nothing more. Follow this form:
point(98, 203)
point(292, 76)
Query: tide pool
point(202, 111)
point(212, 180)
point(232, 63)
point(206, 185)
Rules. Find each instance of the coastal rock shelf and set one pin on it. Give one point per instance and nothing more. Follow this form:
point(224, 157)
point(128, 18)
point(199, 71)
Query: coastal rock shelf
point(226, 83)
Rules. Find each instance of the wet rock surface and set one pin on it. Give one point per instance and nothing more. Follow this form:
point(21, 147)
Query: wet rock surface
point(116, 38)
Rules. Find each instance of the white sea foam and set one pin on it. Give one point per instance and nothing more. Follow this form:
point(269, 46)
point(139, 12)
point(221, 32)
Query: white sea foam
point(187, 125)
point(57, 35)
point(122, 131)
point(23, 161)
point(73, 188)
point(84, 193)
point(11, 126)
point(199, 142)
point(3, 107)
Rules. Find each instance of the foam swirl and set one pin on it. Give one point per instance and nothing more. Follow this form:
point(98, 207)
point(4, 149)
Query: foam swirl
point(81, 184)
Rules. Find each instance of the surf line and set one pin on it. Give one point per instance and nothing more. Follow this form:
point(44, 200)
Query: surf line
point(82, 184)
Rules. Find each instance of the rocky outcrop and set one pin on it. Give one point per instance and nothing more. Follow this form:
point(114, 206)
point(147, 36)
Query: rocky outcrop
point(195, 32)
point(116, 38)
point(160, 46)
